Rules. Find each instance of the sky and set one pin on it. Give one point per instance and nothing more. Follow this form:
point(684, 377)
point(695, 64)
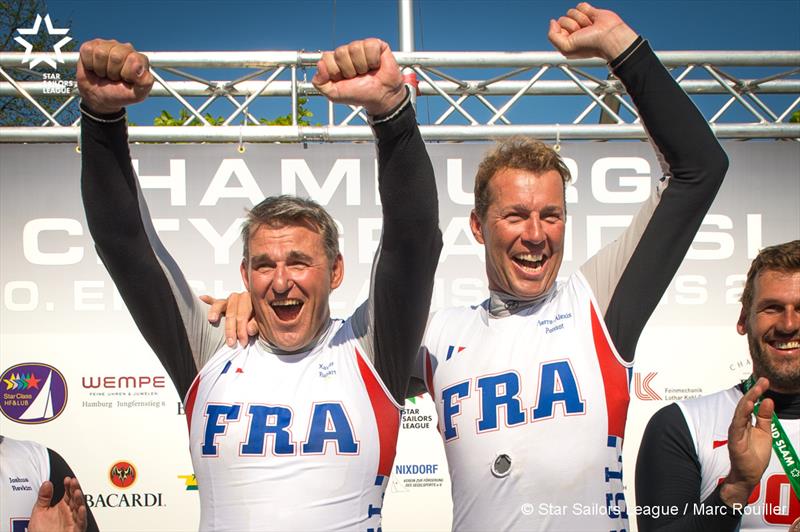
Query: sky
point(441, 25)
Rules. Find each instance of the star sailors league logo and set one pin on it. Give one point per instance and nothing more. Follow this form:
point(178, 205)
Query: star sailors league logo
point(49, 58)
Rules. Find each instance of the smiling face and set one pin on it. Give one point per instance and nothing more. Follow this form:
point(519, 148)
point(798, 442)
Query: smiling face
point(290, 278)
point(523, 231)
point(772, 326)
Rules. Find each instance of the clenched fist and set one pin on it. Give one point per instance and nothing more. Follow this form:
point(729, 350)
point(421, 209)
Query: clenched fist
point(112, 75)
point(361, 73)
point(587, 31)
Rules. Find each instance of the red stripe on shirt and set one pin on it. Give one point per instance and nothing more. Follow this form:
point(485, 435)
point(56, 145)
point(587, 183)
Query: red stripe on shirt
point(387, 417)
point(615, 380)
point(188, 404)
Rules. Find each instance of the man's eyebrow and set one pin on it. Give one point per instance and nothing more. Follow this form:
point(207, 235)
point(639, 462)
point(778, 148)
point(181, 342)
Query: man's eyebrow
point(299, 255)
point(259, 258)
point(516, 207)
point(293, 255)
point(769, 301)
point(552, 209)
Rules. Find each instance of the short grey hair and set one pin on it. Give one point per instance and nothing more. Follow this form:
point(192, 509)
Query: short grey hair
point(279, 211)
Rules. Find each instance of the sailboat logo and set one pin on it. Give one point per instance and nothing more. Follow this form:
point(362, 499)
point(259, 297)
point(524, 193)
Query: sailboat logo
point(32, 393)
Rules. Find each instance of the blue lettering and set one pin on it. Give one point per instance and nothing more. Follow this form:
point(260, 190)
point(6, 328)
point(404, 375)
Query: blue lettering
point(260, 428)
point(214, 427)
point(19, 525)
point(491, 400)
point(617, 475)
point(616, 505)
point(340, 430)
point(450, 409)
point(549, 392)
point(414, 469)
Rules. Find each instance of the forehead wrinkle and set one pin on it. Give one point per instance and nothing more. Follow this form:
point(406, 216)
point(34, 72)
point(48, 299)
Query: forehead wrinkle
point(517, 207)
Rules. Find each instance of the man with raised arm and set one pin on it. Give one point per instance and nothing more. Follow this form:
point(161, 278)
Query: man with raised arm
point(705, 458)
point(297, 429)
point(531, 386)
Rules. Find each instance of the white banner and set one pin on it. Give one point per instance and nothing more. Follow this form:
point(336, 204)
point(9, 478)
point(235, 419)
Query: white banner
point(112, 405)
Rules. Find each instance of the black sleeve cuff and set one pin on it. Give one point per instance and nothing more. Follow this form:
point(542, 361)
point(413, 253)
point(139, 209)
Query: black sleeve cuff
point(632, 51)
point(102, 118)
point(397, 122)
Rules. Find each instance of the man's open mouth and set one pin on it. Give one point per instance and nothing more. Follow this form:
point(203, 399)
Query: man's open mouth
point(529, 262)
point(287, 309)
point(785, 345)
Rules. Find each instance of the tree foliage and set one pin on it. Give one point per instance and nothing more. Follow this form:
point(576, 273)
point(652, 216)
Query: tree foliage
point(286, 120)
point(15, 110)
point(166, 119)
point(303, 114)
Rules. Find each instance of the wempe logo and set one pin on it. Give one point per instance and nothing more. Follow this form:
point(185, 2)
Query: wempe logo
point(123, 391)
point(123, 475)
point(33, 393)
point(127, 381)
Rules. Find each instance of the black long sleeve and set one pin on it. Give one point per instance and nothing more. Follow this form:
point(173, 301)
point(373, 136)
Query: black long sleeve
point(668, 475)
point(410, 247)
point(110, 198)
point(696, 166)
point(59, 469)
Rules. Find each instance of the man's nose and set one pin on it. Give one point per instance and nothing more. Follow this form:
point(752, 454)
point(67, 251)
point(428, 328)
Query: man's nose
point(282, 280)
point(790, 320)
point(533, 231)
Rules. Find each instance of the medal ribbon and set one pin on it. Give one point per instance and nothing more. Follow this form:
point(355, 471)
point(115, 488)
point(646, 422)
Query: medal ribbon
point(781, 445)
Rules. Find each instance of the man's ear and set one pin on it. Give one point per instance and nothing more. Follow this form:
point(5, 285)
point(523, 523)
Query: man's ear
point(245, 277)
point(475, 226)
point(337, 271)
point(741, 325)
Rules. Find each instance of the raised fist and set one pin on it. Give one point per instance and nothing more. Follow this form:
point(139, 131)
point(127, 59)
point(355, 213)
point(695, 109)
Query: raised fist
point(361, 73)
point(112, 75)
point(586, 31)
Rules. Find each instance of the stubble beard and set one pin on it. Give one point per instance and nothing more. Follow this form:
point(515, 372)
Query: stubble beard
point(784, 376)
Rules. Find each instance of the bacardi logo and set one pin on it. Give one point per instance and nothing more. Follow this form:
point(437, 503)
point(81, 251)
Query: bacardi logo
point(122, 474)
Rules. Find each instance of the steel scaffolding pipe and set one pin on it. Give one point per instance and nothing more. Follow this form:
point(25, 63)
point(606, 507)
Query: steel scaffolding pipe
point(252, 134)
point(769, 96)
point(266, 59)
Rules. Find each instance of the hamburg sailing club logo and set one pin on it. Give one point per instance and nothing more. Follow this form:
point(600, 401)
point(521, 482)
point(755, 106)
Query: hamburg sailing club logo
point(33, 393)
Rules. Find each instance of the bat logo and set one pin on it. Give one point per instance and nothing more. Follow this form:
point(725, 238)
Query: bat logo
point(122, 474)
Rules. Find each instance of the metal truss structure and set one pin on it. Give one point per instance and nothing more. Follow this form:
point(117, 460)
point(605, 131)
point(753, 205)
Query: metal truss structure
point(467, 96)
